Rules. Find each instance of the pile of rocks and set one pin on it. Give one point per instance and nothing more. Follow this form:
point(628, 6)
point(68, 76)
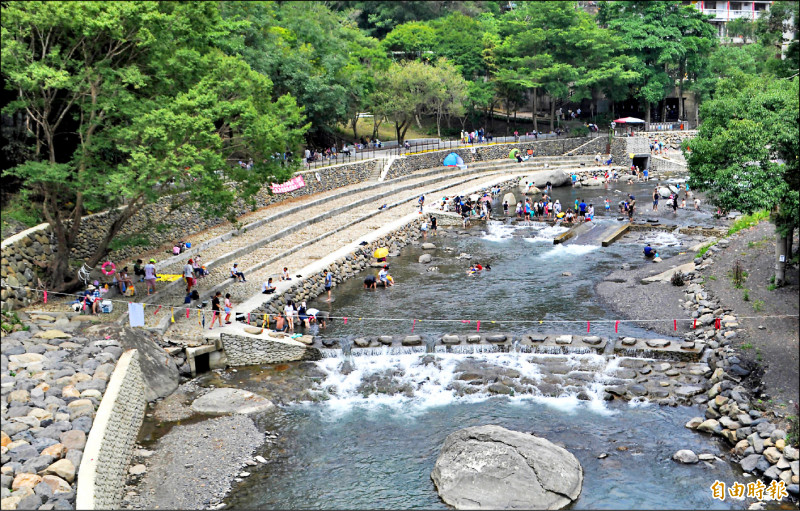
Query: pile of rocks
point(51, 386)
point(759, 445)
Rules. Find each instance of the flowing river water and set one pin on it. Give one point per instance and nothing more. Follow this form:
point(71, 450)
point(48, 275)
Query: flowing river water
point(364, 432)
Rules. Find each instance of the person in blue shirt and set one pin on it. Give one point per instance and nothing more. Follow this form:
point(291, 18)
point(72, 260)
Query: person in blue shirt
point(582, 207)
point(649, 252)
point(328, 283)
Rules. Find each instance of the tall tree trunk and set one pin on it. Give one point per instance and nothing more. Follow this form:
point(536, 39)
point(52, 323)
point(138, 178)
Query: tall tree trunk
point(680, 89)
point(515, 117)
point(647, 114)
point(354, 120)
point(789, 241)
point(535, 109)
point(552, 112)
point(780, 266)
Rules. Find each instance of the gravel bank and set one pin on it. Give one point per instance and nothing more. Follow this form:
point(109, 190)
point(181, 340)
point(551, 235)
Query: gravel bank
point(194, 465)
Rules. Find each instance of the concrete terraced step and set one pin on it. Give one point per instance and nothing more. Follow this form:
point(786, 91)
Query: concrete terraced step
point(325, 244)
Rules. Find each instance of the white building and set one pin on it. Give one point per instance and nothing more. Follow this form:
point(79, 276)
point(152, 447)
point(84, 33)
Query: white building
point(724, 11)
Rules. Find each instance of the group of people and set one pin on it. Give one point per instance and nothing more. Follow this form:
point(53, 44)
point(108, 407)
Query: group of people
point(472, 137)
point(476, 267)
point(383, 278)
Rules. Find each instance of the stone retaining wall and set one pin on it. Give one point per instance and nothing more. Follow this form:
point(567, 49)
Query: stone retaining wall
point(21, 253)
point(109, 447)
point(250, 350)
point(662, 164)
point(414, 162)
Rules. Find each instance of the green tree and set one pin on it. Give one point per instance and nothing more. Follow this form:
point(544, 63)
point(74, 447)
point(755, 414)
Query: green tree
point(414, 38)
point(406, 92)
point(746, 153)
point(668, 39)
point(155, 107)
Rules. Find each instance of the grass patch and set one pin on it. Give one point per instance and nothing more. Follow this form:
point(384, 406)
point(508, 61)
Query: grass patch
point(703, 250)
point(772, 287)
point(748, 221)
point(20, 210)
point(758, 305)
point(746, 297)
point(138, 240)
point(747, 346)
point(712, 277)
point(8, 322)
point(793, 435)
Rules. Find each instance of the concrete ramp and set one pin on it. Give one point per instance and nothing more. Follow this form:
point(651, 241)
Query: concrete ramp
point(591, 233)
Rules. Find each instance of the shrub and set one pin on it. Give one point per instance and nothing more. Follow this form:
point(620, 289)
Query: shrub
point(738, 274)
point(793, 435)
point(748, 221)
point(677, 279)
point(758, 305)
point(746, 296)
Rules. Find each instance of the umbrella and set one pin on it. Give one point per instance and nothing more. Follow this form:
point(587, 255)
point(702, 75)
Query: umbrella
point(486, 198)
point(381, 252)
point(474, 197)
point(629, 120)
point(513, 153)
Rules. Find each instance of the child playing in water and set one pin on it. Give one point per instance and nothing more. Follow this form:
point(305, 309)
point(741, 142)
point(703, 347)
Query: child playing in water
point(607, 205)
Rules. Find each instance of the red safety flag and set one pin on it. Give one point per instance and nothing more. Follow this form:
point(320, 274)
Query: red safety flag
point(187, 313)
point(675, 322)
point(345, 321)
point(588, 326)
point(248, 318)
point(479, 326)
point(694, 325)
point(156, 312)
point(616, 327)
point(717, 323)
point(45, 296)
point(414, 322)
point(466, 321)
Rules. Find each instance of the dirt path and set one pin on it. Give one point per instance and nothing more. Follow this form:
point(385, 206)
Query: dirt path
point(773, 342)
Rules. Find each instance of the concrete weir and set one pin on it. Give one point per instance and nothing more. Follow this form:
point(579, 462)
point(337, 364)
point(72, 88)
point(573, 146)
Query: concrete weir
point(552, 344)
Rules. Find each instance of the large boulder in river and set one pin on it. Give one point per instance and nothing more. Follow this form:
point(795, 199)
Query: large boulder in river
point(509, 197)
point(490, 467)
point(228, 400)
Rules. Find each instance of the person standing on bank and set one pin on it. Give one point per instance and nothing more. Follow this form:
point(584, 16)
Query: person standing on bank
point(150, 276)
point(433, 225)
point(228, 308)
point(216, 310)
point(328, 283)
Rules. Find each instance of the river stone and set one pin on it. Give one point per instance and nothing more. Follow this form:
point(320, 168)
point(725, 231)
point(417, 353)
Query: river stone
point(450, 339)
point(412, 340)
point(710, 426)
point(428, 246)
point(657, 343)
point(53, 334)
point(473, 338)
point(688, 390)
point(227, 400)
point(62, 468)
point(490, 467)
point(592, 340)
point(385, 339)
point(361, 342)
point(628, 341)
point(253, 330)
point(511, 199)
point(425, 258)
point(496, 338)
point(564, 339)
point(685, 456)
point(772, 454)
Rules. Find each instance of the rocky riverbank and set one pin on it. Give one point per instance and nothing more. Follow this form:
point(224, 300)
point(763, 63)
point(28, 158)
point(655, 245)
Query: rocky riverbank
point(758, 439)
point(52, 384)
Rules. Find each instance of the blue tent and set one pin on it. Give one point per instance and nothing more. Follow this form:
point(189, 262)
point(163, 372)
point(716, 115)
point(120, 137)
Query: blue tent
point(453, 160)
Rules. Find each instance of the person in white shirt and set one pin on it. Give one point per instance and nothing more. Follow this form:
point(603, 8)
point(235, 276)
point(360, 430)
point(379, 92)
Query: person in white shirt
point(188, 275)
point(237, 274)
point(288, 310)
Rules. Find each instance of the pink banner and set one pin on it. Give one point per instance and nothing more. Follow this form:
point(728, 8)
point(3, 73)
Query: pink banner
point(295, 183)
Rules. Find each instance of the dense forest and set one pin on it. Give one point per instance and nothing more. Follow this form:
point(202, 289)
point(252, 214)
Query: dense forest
point(111, 103)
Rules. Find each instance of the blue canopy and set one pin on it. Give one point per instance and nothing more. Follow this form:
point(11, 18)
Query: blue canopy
point(453, 160)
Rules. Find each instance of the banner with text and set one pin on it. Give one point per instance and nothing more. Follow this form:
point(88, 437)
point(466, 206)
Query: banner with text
point(291, 185)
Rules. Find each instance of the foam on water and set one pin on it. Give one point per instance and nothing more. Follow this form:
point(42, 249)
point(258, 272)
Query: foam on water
point(659, 238)
point(419, 386)
point(569, 251)
point(498, 231)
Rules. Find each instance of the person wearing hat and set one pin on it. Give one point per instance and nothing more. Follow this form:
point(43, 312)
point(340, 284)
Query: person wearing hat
point(150, 276)
point(631, 205)
point(93, 298)
point(383, 276)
